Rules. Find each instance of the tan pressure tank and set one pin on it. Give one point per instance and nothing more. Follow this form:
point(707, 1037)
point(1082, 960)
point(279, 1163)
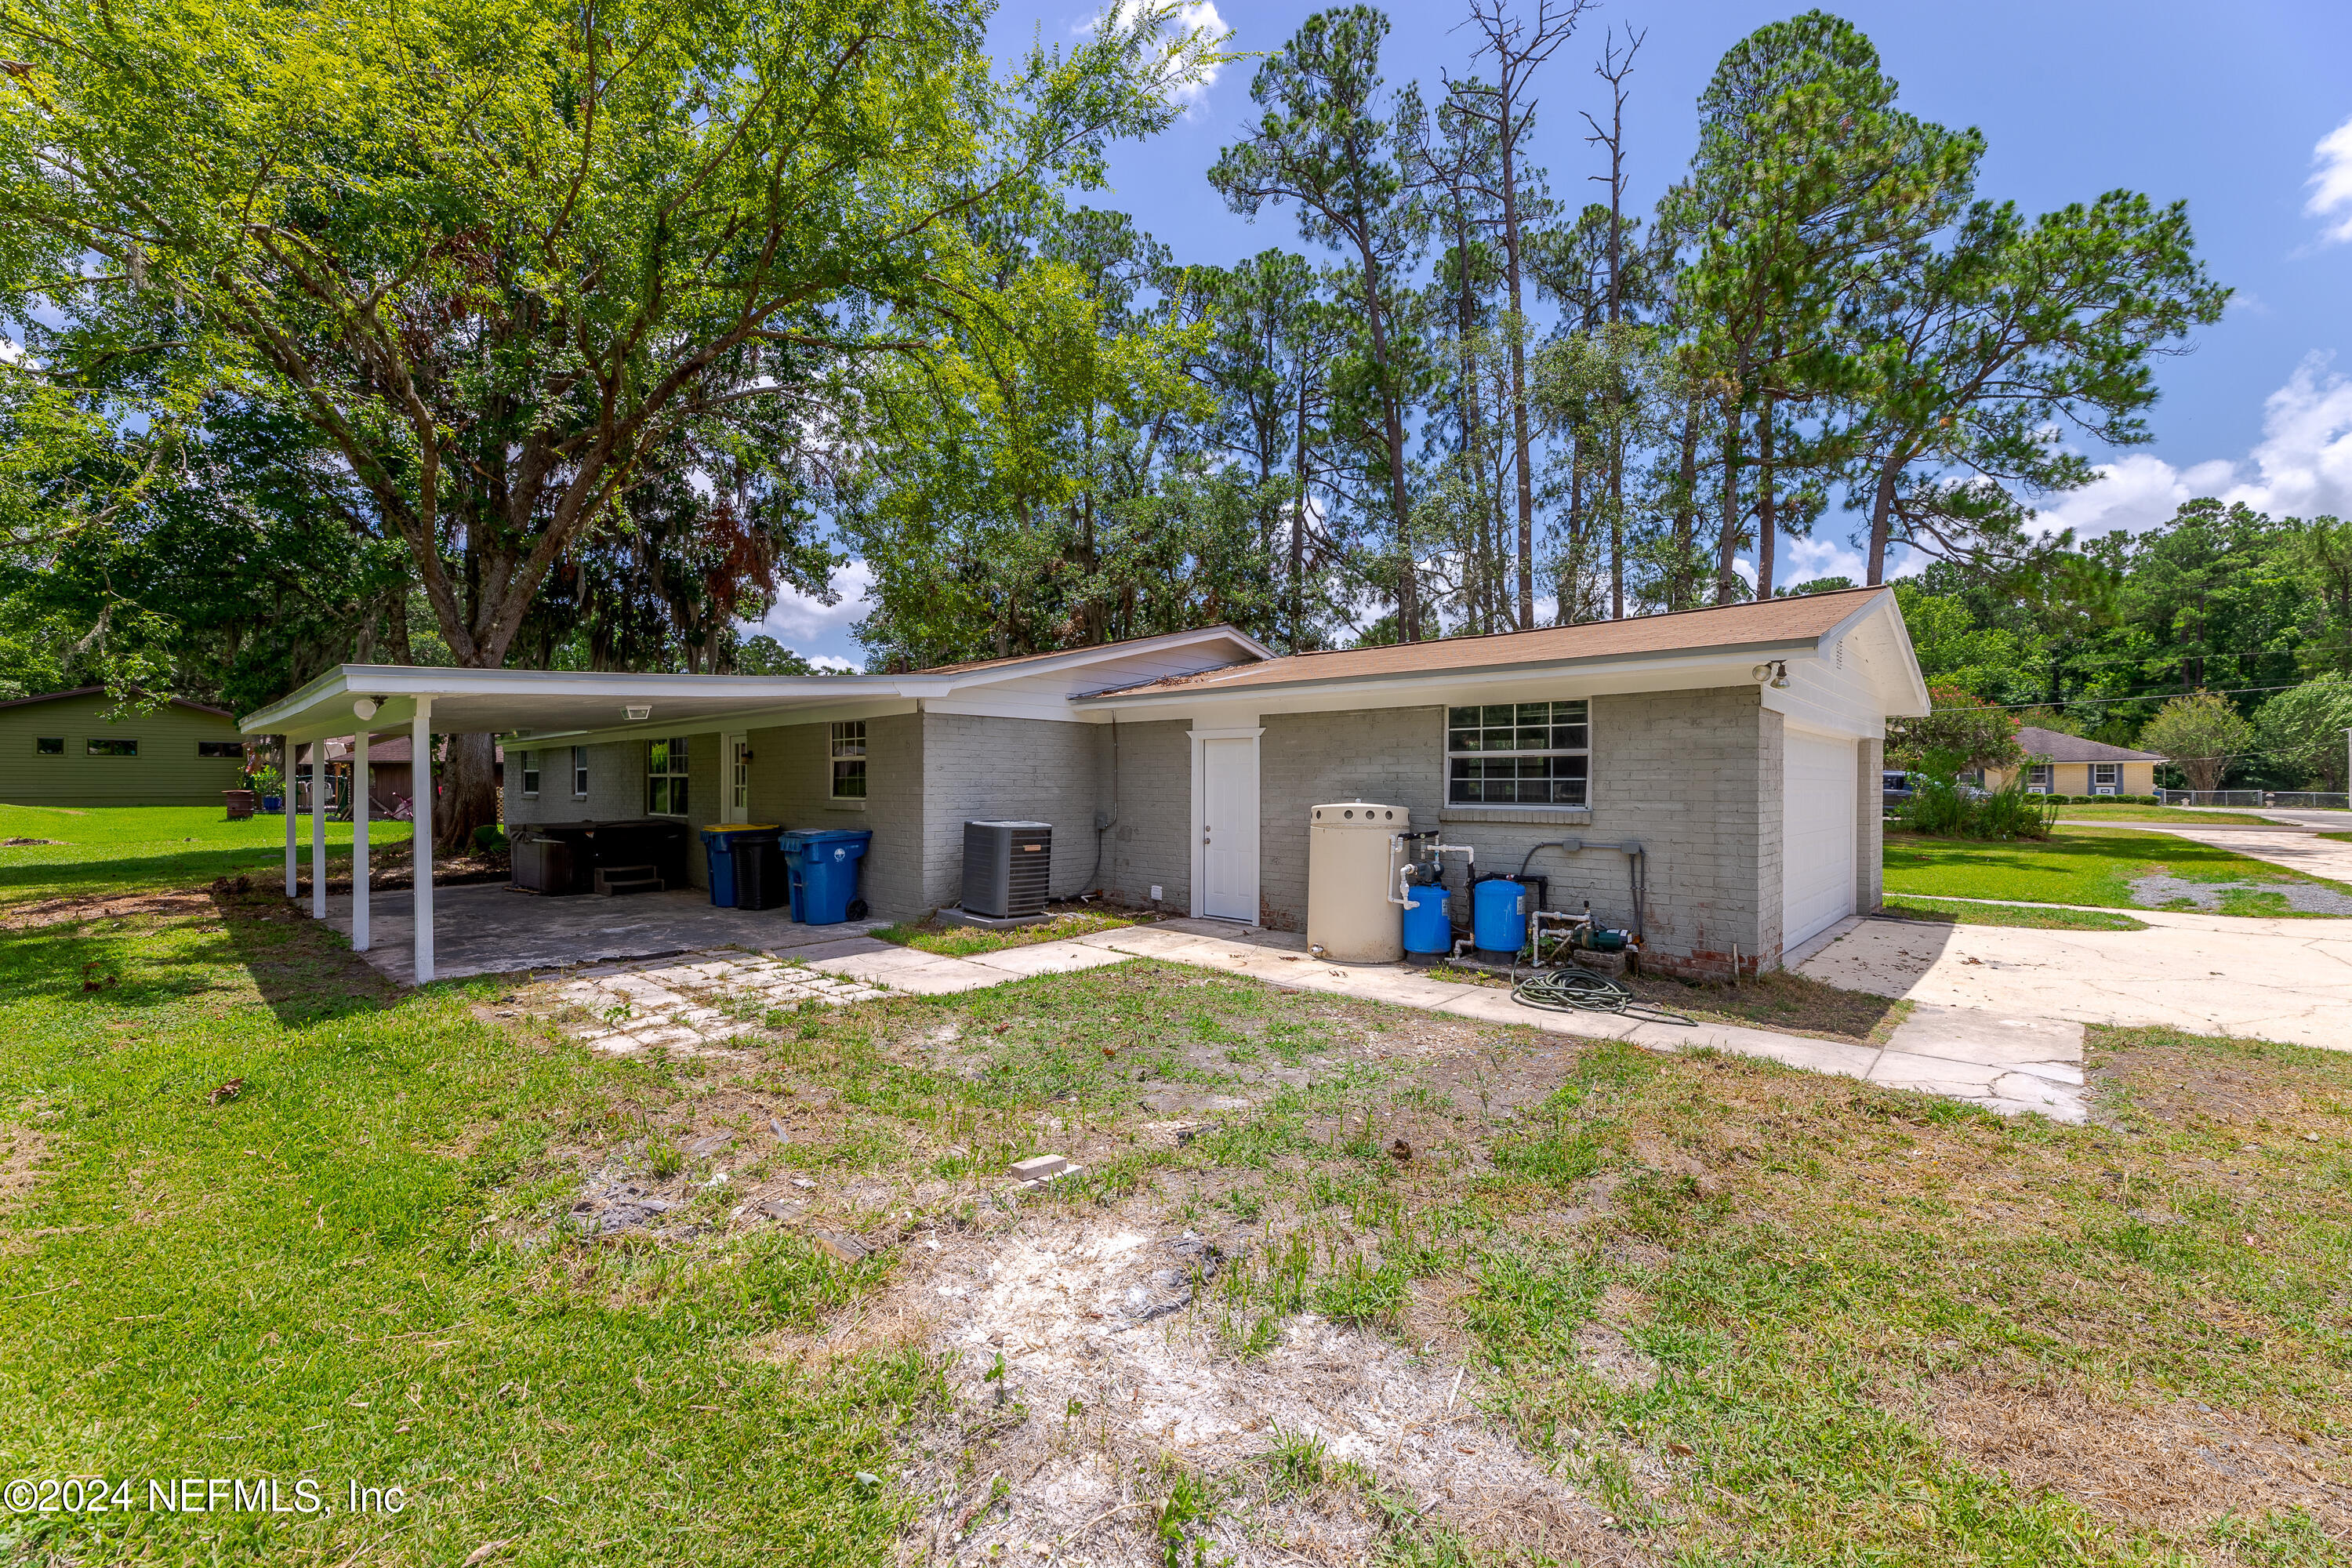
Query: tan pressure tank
point(1351, 867)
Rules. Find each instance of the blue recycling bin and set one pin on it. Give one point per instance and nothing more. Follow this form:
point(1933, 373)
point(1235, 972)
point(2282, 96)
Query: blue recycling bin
point(823, 864)
point(720, 843)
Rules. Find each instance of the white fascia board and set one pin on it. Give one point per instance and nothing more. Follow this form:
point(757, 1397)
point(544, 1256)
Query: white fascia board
point(717, 724)
point(1902, 690)
point(1078, 658)
point(1605, 674)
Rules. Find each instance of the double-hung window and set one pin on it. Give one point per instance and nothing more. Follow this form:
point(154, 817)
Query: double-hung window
point(2106, 777)
point(665, 777)
point(530, 775)
point(849, 760)
point(580, 772)
point(2038, 778)
point(1518, 753)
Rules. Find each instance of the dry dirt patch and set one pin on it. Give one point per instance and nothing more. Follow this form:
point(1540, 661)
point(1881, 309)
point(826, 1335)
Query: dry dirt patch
point(82, 907)
point(2176, 1465)
point(1090, 1373)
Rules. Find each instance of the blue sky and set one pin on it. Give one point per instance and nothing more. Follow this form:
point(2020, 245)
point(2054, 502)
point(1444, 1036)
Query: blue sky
point(2244, 112)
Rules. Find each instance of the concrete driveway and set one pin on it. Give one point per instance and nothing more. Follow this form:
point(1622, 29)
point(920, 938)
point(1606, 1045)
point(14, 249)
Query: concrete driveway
point(2293, 845)
point(2287, 980)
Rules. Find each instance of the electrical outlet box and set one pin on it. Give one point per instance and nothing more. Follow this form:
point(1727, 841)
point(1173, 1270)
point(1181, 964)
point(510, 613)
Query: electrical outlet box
point(1156, 894)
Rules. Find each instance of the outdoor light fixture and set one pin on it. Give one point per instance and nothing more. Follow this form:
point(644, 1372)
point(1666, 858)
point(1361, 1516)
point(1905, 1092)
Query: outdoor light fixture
point(365, 708)
point(637, 711)
point(1774, 672)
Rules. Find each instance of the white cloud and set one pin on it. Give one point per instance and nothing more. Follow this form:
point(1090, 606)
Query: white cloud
point(798, 621)
point(831, 666)
point(2301, 467)
point(1185, 17)
point(2331, 182)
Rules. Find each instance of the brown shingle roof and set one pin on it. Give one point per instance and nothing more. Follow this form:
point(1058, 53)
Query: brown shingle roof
point(1799, 618)
point(2061, 747)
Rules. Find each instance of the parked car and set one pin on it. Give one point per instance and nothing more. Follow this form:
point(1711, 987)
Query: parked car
point(1894, 788)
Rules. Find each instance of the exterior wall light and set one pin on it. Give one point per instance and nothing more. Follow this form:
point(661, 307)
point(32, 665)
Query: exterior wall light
point(636, 712)
point(365, 708)
point(1773, 672)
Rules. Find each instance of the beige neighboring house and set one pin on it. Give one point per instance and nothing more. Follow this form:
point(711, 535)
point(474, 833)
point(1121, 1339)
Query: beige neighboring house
point(63, 748)
point(2060, 764)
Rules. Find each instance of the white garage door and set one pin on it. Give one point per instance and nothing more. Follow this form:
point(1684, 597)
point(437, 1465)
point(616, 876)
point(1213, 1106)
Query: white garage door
point(1817, 838)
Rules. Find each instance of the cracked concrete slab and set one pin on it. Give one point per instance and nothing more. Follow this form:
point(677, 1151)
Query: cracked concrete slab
point(2288, 980)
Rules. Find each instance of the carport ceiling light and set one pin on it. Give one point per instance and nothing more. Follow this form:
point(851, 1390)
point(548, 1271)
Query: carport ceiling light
point(638, 711)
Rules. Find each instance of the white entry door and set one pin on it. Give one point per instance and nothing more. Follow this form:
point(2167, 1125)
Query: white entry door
point(1818, 833)
point(735, 789)
point(1228, 828)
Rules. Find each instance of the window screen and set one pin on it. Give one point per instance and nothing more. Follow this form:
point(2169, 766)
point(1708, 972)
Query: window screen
point(1518, 753)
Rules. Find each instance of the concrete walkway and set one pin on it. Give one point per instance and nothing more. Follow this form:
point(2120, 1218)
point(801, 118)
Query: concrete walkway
point(2287, 980)
point(2296, 846)
point(2005, 1063)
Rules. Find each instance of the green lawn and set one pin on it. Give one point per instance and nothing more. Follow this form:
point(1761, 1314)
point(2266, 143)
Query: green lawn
point(151, 848)
point(1734, 1312)
point(1951, 911)
point(2088, 866)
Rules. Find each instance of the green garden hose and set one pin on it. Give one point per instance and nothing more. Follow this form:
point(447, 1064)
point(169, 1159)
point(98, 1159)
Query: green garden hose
point(1583, 991)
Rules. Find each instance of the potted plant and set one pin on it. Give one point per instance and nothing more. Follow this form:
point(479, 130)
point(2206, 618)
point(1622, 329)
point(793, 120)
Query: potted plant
point(268, 782)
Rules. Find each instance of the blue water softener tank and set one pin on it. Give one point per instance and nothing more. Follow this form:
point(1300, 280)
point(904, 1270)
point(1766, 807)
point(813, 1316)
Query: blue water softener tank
point(1426, 929)
point(1499, 915)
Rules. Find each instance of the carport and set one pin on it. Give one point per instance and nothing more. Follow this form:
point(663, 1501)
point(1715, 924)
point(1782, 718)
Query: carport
point(364, 701)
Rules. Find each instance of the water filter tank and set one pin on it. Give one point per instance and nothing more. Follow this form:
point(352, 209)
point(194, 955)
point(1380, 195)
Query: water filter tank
point(1353, 859)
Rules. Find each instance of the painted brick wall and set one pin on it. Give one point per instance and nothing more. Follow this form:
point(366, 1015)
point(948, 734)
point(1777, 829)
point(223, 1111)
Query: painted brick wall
point(1762, 950)
point(616, 788)
point(1152, 840)
point(1695, 775)
point(792, 785)
point(1033, 770)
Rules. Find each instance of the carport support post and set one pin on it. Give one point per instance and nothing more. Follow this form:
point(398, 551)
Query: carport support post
point(420, 773)
point(319, 829)
point(360, 839)
point(286, 804)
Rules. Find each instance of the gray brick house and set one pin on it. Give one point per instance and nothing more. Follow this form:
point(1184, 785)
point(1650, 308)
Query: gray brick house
point(1738, 746)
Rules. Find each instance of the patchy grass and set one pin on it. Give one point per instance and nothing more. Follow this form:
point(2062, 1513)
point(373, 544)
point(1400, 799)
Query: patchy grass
point(1949, 911)
point(962, 941)
point(2083, 866)
point(1682, 1307)
point(151, 848)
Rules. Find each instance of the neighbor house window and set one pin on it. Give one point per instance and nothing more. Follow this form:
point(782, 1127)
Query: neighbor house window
point(580, 772)
point(665, 777)
point(849, 760)
point(2038, 777)
point(220, 749)
point(2105, 777)
point(1518, 753)
point(529, 773)
point(111, 748)
point(49, 745)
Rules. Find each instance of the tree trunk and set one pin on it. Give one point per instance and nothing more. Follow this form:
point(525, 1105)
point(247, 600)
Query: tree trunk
point(469, 791)
point(1727, 581)
point(1768, 516)
point(1616, 523)
point(1681, 589)
point(1519, 444)
point(1882, 515)
point(1298, 521)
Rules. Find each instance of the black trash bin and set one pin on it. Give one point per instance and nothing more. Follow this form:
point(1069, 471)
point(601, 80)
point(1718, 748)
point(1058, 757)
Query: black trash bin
point(763, 881)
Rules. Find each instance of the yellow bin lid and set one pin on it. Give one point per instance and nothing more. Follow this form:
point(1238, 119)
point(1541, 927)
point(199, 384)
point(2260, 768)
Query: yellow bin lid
point(743, 828)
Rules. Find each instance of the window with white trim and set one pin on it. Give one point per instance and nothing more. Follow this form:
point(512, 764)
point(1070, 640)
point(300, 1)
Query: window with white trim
point(665, 777)
point(530, 775)
point(849, 760)
point(2105, 777)
point(580, 772)
point(2038, 778)
point(1520, 753)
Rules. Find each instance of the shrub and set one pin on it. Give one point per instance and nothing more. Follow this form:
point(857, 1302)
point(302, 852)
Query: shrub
point(1940, 808)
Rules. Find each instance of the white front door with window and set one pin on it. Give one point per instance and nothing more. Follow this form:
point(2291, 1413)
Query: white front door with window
point(1224, 799)
point(735, 752)
point(1818, 828)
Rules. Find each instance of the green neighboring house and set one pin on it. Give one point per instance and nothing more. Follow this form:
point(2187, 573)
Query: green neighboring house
point(62, 749)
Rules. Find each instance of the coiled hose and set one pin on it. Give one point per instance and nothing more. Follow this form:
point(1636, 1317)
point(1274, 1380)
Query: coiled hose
point(1583, 991)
